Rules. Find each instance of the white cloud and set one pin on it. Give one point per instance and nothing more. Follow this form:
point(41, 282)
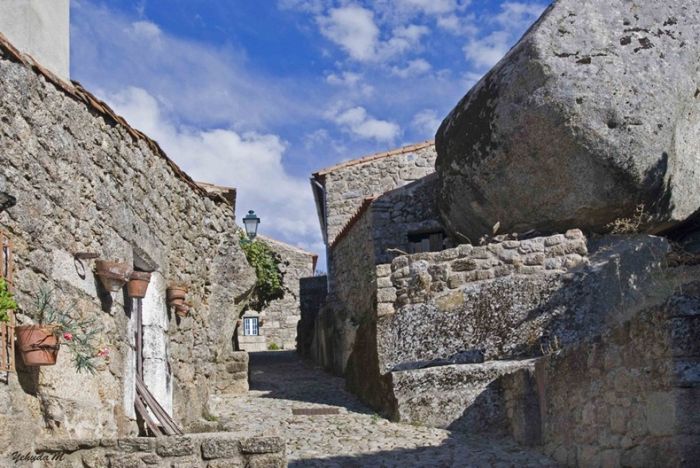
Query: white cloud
point(145, 29)
point(432, 7)
point(427, 122)
point(251, 162)
point(353, 29)
point(518, 16)
point(513, 19)
point(413, 68)
point(489, 50)
point(357, 121)
point(207, 85)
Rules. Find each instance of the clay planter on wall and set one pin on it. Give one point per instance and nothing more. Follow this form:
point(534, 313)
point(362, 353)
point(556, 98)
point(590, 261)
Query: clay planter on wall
point(182, 310)
point(138, 284)
point(37, 344)
point(112, 274)
point(176, 294)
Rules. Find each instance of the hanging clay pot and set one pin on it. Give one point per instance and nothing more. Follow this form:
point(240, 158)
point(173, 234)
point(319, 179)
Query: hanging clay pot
point(138, 284)
point(38, 344)
point(182, 310)
point(176, 294)
point(112, 274)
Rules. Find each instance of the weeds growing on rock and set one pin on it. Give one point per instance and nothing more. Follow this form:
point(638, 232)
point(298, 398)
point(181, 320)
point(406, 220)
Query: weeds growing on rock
point(630, 225)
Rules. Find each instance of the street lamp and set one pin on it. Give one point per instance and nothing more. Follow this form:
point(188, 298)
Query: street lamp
point(251, 221)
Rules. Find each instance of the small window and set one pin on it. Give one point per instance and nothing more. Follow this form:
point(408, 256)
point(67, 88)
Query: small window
point(250, 326)
point(426, 242)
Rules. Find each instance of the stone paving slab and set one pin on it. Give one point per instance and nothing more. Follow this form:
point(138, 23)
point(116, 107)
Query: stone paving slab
point(355, 437)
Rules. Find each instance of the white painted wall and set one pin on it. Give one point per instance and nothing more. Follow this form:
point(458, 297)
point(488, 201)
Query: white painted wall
point(157, 374)
point(40, 28)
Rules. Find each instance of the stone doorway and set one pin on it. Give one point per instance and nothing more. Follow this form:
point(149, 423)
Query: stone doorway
point(157, 372)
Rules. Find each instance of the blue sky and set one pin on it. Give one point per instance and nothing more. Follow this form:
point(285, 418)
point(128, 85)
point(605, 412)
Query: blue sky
point(260, 94)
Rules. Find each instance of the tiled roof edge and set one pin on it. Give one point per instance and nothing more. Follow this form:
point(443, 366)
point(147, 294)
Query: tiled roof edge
point(76, 91)
point(375, 156)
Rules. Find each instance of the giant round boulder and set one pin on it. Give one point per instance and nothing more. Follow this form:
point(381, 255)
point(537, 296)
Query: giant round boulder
point(593, 113)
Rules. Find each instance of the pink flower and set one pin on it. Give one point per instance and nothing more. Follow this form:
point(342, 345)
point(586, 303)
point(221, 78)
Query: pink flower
point(103, 353)
point(68, 336)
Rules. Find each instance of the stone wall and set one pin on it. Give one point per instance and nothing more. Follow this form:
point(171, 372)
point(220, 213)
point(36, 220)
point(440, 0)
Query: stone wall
point(351, 297)
point(210, 450)
point(281, 316)
point(86, 182)
point(457, 332)
point(312, 292)
point(630, 396)
point(487, 299)
point(348, 184)
point(403, 211)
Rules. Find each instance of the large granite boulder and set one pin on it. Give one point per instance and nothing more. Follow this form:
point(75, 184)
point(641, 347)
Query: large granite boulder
point(595, 111)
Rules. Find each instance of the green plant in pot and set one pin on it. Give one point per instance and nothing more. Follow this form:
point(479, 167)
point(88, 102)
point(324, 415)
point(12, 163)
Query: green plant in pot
point(7, 301)
point(39, 343)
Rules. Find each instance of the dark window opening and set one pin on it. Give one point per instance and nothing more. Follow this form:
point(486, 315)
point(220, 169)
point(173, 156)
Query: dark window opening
point(426, 241)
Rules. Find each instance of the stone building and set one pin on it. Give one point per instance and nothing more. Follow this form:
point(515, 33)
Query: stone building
point(581, 344)
point(367, 207)
point(88, 184)
point(275, 327)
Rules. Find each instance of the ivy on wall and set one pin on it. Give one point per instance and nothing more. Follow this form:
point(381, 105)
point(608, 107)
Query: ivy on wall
point(269, 283)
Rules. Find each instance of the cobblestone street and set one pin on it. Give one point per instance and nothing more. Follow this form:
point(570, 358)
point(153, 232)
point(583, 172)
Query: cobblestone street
point(355, 437)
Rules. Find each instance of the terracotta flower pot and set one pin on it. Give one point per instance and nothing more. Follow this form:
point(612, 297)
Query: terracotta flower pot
point(112, 274)
point(176, 294)
point(182, 310)
point(138, 284)
point(37, 344)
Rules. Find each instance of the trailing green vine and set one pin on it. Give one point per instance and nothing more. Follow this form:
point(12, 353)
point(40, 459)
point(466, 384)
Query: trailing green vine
point(269, 283)
point(7, 302)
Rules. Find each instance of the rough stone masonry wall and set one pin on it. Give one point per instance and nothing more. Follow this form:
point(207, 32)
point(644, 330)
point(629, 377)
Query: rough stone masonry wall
point(630, 396)
point(403, 211)
point(211, 450)
point(282, 315)
point(312, 292)
point(83, 184)
point(433, 305)
point(351, 296)
point(346, 187)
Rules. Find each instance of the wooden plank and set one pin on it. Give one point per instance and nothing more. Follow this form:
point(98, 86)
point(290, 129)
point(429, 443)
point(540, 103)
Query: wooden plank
point(12, 342)
point(10, 267)
point(143, 412)
point(161, 415)
point(139, 338)
point(4, 364)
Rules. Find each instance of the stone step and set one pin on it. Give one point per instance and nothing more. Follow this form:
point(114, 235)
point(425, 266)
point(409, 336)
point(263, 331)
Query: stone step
point(495, 397)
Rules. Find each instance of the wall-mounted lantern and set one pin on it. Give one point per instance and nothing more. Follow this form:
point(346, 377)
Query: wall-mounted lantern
point(251, 221)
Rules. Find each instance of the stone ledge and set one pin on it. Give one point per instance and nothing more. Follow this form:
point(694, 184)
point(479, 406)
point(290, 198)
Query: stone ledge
point(207, 450)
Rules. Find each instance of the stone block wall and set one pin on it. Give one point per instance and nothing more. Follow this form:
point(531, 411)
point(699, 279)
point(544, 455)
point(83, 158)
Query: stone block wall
point(348, 184)
point(86, 182)
point(208, 450)
point(281, 316)
point(351, 297)
point(312, 291)
point(630, 396)
point(401, 212)
point(492, 299)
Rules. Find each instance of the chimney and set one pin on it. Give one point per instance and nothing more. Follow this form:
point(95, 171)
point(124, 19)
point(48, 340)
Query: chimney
point(41, 29)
